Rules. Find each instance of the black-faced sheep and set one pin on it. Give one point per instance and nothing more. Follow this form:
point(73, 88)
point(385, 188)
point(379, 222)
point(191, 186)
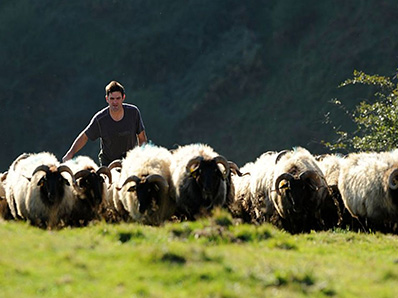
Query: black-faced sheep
point(200, 176)
point(37, 191)
point(146, 190)
point(302, 196)
point(368, 184)
point(90, 189)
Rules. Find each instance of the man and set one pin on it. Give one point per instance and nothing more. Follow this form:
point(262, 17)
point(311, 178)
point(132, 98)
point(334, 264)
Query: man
point(119, 126)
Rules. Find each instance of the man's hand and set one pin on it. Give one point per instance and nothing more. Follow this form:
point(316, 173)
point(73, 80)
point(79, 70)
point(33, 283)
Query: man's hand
point(67, 156)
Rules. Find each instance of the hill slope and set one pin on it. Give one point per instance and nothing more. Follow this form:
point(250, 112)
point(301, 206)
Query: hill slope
point(243, 77)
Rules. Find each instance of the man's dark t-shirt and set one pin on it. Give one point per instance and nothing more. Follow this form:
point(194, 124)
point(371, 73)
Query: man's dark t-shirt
point(117, 137)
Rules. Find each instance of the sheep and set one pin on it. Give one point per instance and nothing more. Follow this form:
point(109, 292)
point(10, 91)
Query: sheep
point(36, 190)
point(201, 179)
point(252, 191)
point(301, 194)
point(90, 190)
point(369, 188)
point(3, 177)
point(5, 211)
point(236, 207)
point(116, 168)
point(145, 188)
point(10, 198)
point(330, 166)
point(112, 209)
point(241, 206)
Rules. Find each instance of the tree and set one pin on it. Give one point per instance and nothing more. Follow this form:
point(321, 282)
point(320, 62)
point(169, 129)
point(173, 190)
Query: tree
point(376, 120)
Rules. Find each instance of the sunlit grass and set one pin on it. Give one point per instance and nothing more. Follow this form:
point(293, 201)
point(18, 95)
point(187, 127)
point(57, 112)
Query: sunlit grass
point(211, 257)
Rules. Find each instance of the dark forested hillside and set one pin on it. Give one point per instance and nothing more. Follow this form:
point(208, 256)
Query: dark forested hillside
point(243, 76)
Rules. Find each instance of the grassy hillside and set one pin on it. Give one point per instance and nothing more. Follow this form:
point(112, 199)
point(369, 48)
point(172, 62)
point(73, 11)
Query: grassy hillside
point(243, 77)
point(208, 258)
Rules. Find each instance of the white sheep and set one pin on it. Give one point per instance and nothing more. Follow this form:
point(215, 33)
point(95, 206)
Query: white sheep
point(241, 206)
point(112, 209)
point(37, 191)
point(252, 190)
point(369, 188)
point(201, 177)
point(5, 211)
point(3, 177)
point(146, 190)
point(330, 165)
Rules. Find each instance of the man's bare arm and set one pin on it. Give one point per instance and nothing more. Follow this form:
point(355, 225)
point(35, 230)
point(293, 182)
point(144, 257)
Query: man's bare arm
point(142, 139)
point(78, 144)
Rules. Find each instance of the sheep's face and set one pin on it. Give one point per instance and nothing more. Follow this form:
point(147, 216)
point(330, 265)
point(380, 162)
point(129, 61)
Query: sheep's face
point(394, 197)
point(208, 178)
point(300, 193)
point(148, 196)
point(292, 194)
point(300, 200)
point(204, 185)
point(52, 188)
point(391, 179)
point(92, 186)
point(330, 212)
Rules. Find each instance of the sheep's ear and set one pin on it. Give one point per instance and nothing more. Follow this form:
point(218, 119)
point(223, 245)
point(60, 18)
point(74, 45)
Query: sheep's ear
point(64, 180)
point(132, 188)
point(194, 173)
point(27, 178)
point(41, 182)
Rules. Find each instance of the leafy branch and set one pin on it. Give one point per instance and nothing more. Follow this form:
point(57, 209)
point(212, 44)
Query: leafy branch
point(376, 120)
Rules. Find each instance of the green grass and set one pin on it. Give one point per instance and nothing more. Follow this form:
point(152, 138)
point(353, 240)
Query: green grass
point(208, 258)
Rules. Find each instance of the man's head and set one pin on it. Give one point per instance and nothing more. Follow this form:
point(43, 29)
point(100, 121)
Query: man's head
point(114, 86)
point(115, 96)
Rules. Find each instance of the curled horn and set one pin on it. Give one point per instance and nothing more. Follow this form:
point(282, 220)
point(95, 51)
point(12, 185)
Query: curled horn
point(309, 175)
point(392, 180)
point(154, 178)
point(320, 157)
point(78, 175)
point(193, 164)
point(235, 169)
point(4, 176)
point(106, 171)
point(40, 168)
point(312, 175)
point(82, 173)
point(115, 164)
point(131, 178)
point(269, 153)
point(280, 154)
point(64, 168)
point(284, 176)
point(222, 160)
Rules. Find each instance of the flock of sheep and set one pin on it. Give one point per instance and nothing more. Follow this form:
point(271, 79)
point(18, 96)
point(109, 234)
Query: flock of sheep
point(292, 189)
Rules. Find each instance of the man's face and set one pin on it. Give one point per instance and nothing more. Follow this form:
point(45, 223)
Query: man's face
point(115, 100)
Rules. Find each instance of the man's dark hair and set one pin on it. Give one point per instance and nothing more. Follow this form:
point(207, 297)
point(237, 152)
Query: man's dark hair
point(114, 86)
